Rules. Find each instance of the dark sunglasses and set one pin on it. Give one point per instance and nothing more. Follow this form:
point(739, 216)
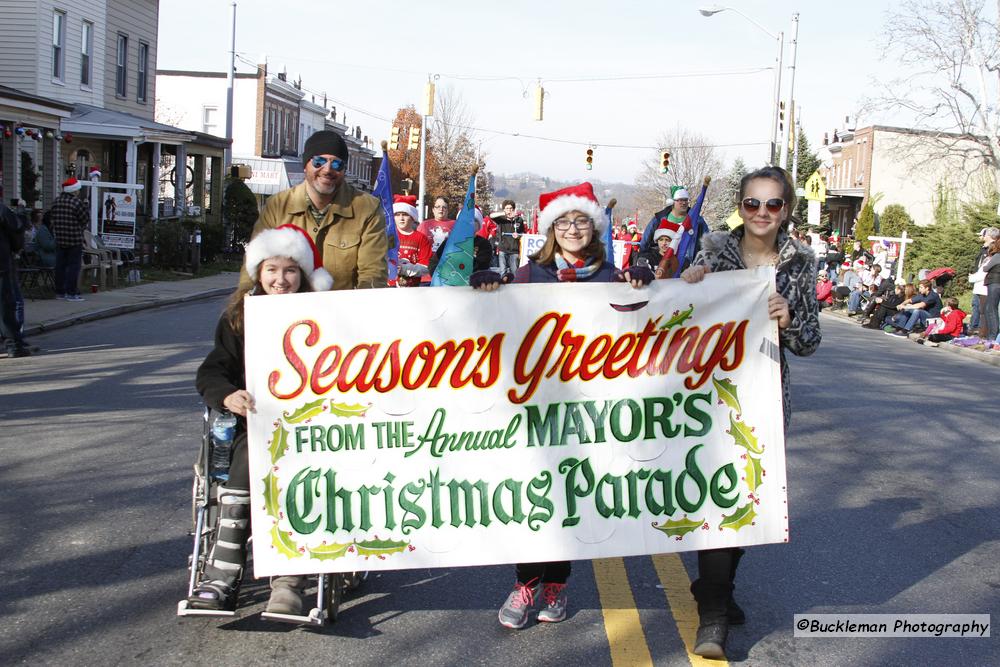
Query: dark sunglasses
point(318, 162)
point(772, 205)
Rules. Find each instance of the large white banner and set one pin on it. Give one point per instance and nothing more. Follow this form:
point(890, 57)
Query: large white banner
point(442, 426)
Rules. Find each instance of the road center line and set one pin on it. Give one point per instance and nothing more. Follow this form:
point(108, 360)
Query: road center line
point(677, 587)
point(621, 619)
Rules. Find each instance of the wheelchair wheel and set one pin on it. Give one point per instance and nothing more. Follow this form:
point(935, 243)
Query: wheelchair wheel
point(353, 580)
point(334, 594)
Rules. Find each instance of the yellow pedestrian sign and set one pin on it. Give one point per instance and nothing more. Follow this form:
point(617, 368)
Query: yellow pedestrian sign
point(815, 188)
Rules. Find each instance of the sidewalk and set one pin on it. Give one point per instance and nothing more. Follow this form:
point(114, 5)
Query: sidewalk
point(47, 314)
point(992, 358)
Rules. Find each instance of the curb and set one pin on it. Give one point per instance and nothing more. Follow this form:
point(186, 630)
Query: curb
point(122, 310)
point(991, 358)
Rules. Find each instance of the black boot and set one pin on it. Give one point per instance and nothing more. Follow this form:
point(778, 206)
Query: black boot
point(713, 591)
point(733, 610)
point(713, 622)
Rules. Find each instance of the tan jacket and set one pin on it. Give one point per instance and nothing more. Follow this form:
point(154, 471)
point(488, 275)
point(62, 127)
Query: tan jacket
point(351, 238)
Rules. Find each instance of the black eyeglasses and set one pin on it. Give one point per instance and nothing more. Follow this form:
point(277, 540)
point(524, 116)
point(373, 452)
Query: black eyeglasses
point(318, 162)
point(772, 205)
point(562, 224)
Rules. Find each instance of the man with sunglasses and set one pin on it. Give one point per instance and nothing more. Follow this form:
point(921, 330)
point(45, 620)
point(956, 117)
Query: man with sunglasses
point(347, 225)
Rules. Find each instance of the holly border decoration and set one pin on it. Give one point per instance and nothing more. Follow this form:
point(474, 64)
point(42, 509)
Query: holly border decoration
point(743, 436)
point(281, 540)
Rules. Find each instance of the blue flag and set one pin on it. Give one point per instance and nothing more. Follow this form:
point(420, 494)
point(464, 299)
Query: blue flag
point(692, 238)
point(383, 190)
point(455, 266)
point(609, 239)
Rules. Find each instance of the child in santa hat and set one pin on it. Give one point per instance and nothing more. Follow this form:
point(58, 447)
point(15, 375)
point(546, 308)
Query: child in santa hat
point(414, 248)
point(283, 260)
point(574, 224)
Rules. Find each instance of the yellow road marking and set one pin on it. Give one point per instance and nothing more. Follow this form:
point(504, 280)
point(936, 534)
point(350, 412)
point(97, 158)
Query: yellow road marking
point(621, 619)
point(677, 587)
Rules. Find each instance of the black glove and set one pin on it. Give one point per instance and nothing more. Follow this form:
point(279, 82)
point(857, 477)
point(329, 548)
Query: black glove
point(481, 278)
point(638, 272)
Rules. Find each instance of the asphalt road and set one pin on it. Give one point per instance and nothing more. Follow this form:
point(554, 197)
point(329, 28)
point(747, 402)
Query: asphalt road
point(894, 483)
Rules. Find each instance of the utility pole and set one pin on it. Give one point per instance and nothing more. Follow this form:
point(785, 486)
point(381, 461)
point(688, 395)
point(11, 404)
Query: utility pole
point(228, 159)
point(428, 111)
point(775, 133)
point(794, 143)
point(791, 85)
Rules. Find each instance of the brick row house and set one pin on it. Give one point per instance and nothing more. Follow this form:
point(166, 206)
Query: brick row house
point(273, 115)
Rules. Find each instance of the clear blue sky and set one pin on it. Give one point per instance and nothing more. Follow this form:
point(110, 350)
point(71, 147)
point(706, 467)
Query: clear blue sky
point(375, 56)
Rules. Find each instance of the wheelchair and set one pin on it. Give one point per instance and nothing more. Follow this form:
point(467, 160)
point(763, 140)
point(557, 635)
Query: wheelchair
point(330, 588)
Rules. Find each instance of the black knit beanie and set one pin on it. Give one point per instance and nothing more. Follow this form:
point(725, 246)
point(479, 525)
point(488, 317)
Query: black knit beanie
point(325, 142)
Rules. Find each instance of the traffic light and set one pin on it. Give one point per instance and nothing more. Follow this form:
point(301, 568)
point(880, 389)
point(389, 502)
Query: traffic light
point(394, 138)
point(590, 159)
point(414, 139)
point(665, 162)
point(781, 116)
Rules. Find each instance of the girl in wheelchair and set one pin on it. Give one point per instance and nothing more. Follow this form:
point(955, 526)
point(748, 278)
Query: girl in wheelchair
point(279, 261)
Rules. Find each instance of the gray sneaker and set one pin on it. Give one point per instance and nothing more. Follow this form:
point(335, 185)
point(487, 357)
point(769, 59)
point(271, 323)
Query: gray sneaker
point(286, 596)
point(514, 612)
point(554, 601)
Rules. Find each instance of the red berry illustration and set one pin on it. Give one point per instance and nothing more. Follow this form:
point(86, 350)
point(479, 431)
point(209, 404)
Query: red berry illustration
point(413, 548)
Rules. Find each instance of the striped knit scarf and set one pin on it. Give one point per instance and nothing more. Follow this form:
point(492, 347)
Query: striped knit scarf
point(569, 273)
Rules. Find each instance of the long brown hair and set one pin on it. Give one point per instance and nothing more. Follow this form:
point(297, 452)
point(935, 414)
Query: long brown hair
point(547, 253)
point(234, 306)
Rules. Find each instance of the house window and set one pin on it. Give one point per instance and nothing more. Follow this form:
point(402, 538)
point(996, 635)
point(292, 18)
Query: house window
point(142, 73)
point(58, 46)
point(121, 66)
point(210, 119)
point(86, 49)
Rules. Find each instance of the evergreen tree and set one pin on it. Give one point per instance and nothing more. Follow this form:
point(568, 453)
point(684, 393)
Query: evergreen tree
point(952, 241)
point(865, 226)
point(808, 163)
point(721, 205)
point(239, 210)
point(894, 221)
point(29, 179)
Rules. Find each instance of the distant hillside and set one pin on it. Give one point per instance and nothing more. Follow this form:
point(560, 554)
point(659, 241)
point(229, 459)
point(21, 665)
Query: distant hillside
point(525, 188)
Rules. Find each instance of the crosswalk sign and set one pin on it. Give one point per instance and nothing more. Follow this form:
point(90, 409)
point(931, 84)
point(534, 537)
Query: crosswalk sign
point(815, 188)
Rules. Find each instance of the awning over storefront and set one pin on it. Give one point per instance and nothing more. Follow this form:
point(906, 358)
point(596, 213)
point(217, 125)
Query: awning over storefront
point(272, 175)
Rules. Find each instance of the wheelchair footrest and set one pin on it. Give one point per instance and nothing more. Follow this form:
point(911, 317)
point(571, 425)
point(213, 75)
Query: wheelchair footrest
point(316, 617)
point(184, 609)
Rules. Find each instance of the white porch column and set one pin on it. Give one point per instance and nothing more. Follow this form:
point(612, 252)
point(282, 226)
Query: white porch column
point(153, 193)
point(180, 182)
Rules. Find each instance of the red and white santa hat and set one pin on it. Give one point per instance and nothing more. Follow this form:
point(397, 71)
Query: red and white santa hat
point(295, 244)
point(95, 173)
point(405, 204)
point(574, 198)
point(71, 184)
point(847, 264)
point(666, 228)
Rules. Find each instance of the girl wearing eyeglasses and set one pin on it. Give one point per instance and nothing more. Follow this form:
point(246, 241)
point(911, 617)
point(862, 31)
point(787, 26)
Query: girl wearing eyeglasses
point(574, 224)
point(767, 197)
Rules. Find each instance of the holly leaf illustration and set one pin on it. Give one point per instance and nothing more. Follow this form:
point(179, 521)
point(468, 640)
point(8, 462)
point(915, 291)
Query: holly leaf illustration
point(284, 543)
point(279, 443)
point(379, 547)
point(743, 436)
point(307, 411)
point(743, 516)
point(680, 527)
point(678, 318)
point(345, 410)
point(754, 473)
point(727, 393)
point(329, 551)
point(271, 495)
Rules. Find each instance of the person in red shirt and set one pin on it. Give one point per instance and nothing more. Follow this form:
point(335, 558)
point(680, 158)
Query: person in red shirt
point(824, 289)
point(414, 248)
point(952, 328)
point(439, 227)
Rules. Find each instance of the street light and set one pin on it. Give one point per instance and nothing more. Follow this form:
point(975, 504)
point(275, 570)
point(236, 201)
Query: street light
point(711, 10)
